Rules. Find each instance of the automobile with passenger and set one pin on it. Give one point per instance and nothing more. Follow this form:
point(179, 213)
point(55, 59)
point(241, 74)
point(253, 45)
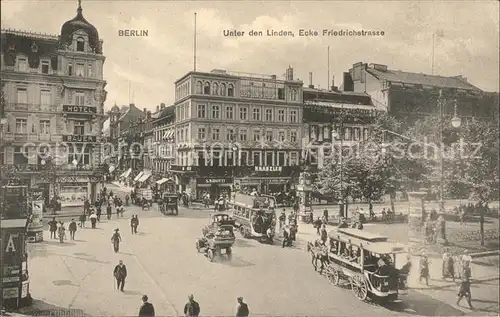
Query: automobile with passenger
point(217, 238)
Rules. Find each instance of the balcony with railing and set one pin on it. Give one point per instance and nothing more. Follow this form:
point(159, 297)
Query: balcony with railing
point(30, 107)
point(31, 137)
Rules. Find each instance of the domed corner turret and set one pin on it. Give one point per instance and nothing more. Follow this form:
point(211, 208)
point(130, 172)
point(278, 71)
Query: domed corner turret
point(76, 24)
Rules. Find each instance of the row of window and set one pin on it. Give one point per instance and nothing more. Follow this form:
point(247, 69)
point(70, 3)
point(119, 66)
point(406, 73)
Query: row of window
point(257, 135)
point(269, 114)
point(44, 127)
point(77, 69)
point(214, 89)
point(46, 97)
point(81, 154)
point(347, 134)
point(242, 158)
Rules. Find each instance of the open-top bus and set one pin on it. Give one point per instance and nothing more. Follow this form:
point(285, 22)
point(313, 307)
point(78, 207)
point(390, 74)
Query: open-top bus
point(366, 262)
point(253, 215)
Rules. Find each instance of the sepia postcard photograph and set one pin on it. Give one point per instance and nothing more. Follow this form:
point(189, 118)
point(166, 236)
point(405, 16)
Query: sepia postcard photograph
point(249, 158)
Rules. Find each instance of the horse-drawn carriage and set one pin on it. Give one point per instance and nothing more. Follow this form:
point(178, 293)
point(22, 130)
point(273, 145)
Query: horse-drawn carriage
point(217, 237)
point(363, 261)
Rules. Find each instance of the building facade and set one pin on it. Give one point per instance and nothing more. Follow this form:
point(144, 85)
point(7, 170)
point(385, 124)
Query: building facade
point(54, 95)
point(410, 96)
point(163, 140)
point(332, 119)
point(237, 128)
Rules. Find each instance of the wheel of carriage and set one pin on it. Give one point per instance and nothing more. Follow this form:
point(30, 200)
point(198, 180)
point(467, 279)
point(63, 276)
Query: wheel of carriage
point(359, 287)
point(211, 255)
point(333, 276)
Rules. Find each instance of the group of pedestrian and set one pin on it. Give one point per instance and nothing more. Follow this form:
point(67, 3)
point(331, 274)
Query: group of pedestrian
point(435, 228)
point(191, 308)
point(58, 231)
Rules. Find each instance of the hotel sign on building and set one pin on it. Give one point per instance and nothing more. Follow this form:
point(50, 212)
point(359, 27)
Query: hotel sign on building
point(79, 109)
point(74, 138)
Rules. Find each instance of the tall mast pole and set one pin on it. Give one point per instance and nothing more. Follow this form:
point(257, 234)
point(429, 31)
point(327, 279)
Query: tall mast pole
point(328, 75)
point(194, 55)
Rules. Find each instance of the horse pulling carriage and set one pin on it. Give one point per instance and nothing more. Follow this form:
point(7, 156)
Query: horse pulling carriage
point(362, 261)
point(168, 204)
point(217, 237)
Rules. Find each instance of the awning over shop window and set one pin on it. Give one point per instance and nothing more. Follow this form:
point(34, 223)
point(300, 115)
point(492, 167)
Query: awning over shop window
point(144, 177)
point(168, 135)
point(164, 180)
point(136, 179)
point(126, 173)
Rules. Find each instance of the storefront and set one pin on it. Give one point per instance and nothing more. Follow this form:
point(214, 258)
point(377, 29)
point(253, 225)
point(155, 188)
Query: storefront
point(14, 265)
point(264, 185)
point(214, 186)
point(73, 190)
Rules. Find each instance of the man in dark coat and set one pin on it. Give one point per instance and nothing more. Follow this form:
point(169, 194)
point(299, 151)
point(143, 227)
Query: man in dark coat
point(242, 308)
point(72, 229)
point(53, 228)
point(147, 309)
point(192, 308)
point(120, 274)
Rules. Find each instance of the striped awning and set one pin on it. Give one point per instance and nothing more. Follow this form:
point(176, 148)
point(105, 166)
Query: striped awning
point(144, 177)
point(168, 135)
point(138, 176)
point(163, 180)
point(126, 173)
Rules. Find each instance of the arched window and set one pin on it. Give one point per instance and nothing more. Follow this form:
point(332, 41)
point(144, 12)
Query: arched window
point(206, 88)
point(80, 44)
point(293, 94)
point(222, 89)
point(199, 87)
point(215, 89)
point(230, 90)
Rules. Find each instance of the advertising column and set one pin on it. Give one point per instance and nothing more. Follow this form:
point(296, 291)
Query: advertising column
point(35, 227)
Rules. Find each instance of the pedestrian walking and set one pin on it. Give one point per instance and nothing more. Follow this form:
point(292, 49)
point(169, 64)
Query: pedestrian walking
point(192, 308)
point(134, 222)
point(242, 308)
point(448, 267)
point(108, 211)
point(93, 220)
point(147, 309)
point(424, 269)
point(323, 233)
point(98, 212)
point(72, 229)
point(464, 290)
point(86, 206)
point(83, 218)
point(120, 274)
point(116, 239)
point(53, 228)
point(61, 232)
point(325, 215)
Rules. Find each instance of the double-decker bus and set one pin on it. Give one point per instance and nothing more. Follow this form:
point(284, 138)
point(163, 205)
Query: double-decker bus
point(253, 215)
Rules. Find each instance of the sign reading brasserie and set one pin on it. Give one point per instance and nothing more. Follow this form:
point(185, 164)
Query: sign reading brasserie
point(268, 168)
point(80, 138)
point(215, 180)
point(79, 109)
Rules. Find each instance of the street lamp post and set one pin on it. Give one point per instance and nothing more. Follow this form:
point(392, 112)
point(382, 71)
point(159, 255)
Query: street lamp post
point(456, 123)
point(340, 135)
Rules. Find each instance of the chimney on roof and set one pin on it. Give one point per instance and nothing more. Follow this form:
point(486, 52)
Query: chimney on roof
point(148, 114)
point(311, 80)
point(162, 106)
point(157, 108)
point(145, 110)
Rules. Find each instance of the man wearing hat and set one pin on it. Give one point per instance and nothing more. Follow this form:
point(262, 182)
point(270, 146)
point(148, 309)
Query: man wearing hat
point(242, 308)
point(192, 308)
point(120, 273)
point(147, 309)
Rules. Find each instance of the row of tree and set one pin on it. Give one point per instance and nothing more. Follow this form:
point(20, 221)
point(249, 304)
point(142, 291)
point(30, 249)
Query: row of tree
point(402, 158)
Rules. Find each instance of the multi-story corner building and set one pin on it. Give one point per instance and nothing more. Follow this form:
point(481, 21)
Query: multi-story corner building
point(237, 127)
point(409, 95)
point(125, 131)
point(333, 118)
point(163, 140)
point(54, 95)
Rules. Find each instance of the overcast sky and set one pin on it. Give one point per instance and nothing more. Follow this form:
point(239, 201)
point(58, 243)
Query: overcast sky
point(468, 41)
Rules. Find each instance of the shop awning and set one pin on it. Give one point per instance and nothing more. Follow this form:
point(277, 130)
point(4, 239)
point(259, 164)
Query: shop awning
point(163, 180)
point(168, 135)
point(136, 179)
point(144, 177)
point(126, 173)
